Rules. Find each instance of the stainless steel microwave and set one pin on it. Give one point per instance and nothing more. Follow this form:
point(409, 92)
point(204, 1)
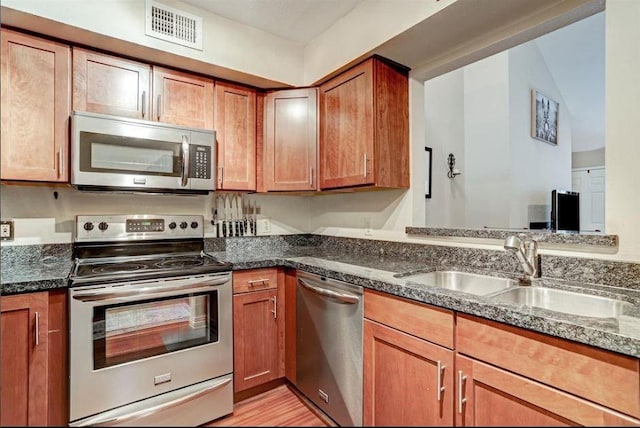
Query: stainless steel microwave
point(120, 154)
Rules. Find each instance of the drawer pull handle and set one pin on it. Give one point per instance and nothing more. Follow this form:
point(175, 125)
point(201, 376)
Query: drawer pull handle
point(440, 389)
point(253, 282)
point(37, 327)
point(461, 399)
point(275, 307)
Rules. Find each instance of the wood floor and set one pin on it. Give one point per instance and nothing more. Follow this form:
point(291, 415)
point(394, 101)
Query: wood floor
point(279, 407)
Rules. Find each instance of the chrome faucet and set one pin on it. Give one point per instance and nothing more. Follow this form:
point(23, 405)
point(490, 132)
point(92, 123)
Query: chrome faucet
point(526, 251)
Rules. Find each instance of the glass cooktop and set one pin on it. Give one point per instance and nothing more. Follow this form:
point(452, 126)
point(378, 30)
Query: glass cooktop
point(109, 269)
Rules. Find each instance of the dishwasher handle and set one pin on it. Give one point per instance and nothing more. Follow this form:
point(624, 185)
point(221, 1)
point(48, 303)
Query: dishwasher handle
point(342, 297)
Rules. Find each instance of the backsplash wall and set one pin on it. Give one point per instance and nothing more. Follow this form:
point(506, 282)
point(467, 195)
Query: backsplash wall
point(41, 218)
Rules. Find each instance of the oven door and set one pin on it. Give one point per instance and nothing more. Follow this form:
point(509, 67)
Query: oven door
point(132, 341)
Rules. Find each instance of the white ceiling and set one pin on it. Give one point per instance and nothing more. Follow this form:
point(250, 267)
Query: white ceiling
point(297, 20)
point(574, 54)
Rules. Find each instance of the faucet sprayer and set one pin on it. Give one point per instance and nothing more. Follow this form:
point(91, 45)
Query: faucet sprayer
point(526, 252)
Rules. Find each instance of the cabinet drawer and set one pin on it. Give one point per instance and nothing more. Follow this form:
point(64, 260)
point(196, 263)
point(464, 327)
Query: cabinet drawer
point(604, 377)
point(254, 279)
point(421, 320)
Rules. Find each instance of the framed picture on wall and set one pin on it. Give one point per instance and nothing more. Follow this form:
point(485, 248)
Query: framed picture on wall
point(544, 118)
point(427, 176)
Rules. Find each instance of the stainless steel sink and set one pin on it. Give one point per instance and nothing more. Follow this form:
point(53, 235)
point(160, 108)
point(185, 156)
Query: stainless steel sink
point(566, 302)
point(462, 281)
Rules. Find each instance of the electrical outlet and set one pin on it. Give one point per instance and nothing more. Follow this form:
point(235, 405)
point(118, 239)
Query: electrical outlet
point(367, 226)
point(264, 226)
point(6, 230)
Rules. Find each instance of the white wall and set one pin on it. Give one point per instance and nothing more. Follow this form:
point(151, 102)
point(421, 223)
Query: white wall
point(622, 99)
point(234, 46)
point(444, 133)
point(487, 169)
point(537, 167)
point(588, 158)
point(227, 44)
point(41, 218)
point(367, 26)
point(623, 110)
point(482, 114)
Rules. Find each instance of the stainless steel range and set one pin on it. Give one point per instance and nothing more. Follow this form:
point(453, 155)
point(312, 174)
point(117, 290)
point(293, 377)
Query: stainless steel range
point(150, 323)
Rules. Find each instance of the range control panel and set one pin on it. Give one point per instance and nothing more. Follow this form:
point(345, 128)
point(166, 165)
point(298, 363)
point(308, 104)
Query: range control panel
point(131, 227)
point(144, 225)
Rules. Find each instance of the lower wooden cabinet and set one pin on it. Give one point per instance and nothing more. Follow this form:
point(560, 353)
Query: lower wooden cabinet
point(407, 381)
point(607, 378)
point(258, 329)
point(408, 376)
point(490, 396)
point(33, 367)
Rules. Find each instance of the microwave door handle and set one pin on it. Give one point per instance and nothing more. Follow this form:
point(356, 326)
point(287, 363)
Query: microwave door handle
point(185, 161)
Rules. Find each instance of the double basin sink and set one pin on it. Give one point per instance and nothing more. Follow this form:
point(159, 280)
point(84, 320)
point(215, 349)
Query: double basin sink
point(508, 291)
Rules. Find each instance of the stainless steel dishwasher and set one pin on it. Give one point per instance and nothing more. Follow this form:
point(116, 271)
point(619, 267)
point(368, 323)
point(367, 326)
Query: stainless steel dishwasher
point(329, 346)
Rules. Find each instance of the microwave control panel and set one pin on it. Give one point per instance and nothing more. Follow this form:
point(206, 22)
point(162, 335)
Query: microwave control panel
point(200, 162)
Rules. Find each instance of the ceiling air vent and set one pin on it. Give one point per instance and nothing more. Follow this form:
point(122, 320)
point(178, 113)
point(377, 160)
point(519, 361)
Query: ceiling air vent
point(173, 25)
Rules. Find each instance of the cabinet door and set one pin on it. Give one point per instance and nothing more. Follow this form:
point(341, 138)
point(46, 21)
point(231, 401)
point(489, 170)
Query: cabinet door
point(407, 381)
point(255, 336)
point(235, 124)
point(604, 377)
point(346, 129)
point(24, 360)
point(34, 108)
point(291, 139)
point(182, 98)
point(110, 85)
point(489, 396)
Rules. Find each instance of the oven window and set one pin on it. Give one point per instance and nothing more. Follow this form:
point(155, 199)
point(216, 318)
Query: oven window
point(131, 331)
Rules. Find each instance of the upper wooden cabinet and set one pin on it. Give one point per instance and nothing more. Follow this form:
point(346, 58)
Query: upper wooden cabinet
point(35, 92)
point(290, 145)
point(120, 87)
point(364, 127)
point(235, 125)
point(110, 85)
point(182, 98)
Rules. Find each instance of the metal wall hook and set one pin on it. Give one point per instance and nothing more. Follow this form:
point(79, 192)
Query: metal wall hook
point(453, 171)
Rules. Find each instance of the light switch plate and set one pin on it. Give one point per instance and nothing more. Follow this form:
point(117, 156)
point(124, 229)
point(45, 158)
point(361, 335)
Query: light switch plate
point(6, 230)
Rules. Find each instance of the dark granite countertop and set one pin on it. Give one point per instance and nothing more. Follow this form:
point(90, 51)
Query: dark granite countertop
point(542, 236)
point(388, 273)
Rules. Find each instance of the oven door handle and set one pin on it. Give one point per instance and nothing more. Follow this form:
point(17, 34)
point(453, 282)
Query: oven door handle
point(149, 291)
point(119, 420)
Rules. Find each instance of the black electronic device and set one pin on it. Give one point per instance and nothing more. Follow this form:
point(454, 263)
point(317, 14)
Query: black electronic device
point(565, 211)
